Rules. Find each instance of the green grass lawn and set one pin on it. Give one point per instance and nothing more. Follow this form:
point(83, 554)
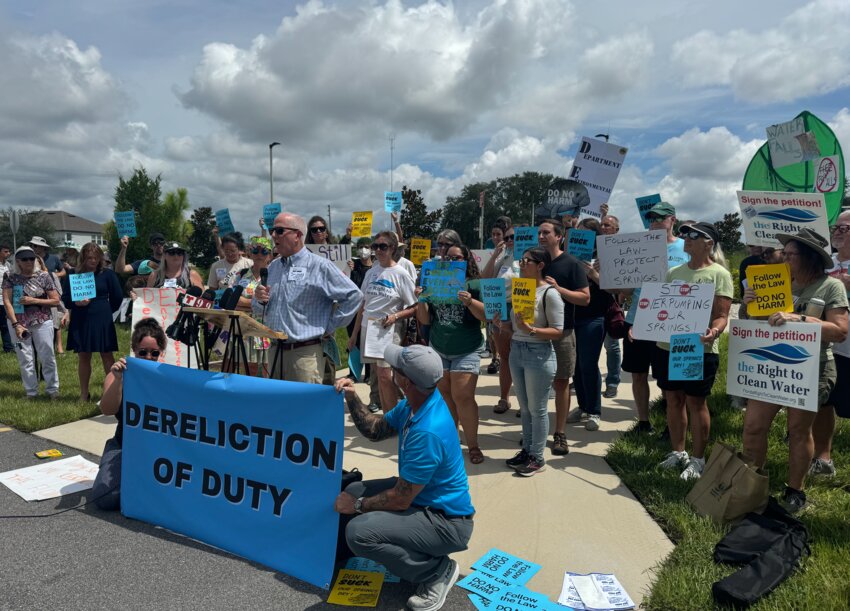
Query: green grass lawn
point(683, 580)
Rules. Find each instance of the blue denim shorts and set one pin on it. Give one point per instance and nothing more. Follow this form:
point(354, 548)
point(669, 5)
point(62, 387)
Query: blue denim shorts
point(464, 363)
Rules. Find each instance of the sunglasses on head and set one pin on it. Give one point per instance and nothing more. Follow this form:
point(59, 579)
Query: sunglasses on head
point(281, 230)
point(318, 229)
point(27, 259)
point(259, 250)
point(143, 353)
point(379, 246)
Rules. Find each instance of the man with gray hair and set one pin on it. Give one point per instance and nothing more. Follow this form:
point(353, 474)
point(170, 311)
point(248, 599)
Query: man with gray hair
point(307, 297)
point(411, 523)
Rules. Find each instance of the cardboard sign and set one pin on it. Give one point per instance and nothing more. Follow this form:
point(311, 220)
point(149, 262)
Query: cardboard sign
point(223, 222)
point(82, 286)
point(524, 297)
point(644, 204)
point(524, 238)
point(392, 201)
point(161, 305)
point(361, 224)
point(125, 224)
point(356, 588)
point(772, 284)
point(270, 212)
point(774, 364)
point(767, 213)
point(826, 174)
point(580, 243)
point(52, 479)
point(196, 462)
point(596, 166)
point(420, 250)
point(627, 260)
point(790, 143)
point(17, 293)
point(494, 297)
point(667, 308)
point(506, 566)
point(441, 281)
point(338, 254)
point(687, 356)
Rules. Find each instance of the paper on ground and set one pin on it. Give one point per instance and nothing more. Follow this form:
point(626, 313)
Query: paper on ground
point(594, 591)
point(49, 480)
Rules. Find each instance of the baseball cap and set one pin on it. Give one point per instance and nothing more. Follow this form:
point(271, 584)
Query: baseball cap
point(173, 246)
point(662, 209)
point(420, 364)
point(706, 229)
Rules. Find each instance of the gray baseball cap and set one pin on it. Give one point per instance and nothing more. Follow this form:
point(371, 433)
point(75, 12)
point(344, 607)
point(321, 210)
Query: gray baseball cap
point(420, 364)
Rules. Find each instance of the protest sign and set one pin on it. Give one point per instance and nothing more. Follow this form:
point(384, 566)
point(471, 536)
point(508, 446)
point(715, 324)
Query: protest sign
point(563, 196)
point(441, 281)
point(356, 588)
point(17, 293)
point(772, 284)
point(506, 566)
point(596, 166)
point(644, 204)
point(686, 357)
point(774, 364)
point(161, 305)
point(826, 174)
point(82, 286)
point(52, 479)
point(338, 254)
point(790, 143)
point(481, 256)
point(627, 260)
point(392, 201)
point(493, 295)
point(420, 249)
point(524, 297)
point(223, 222)
point(125, 223)
point(514, 599)
point(486, 586)
point(580, 243)
point(361, 224)
point(767, 213)
point(364, 564)
point(270, 212)
point(205, 449)
point(524, 238)
point(667, 308)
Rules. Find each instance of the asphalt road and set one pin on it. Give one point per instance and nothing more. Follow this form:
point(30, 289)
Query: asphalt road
point(90, 559)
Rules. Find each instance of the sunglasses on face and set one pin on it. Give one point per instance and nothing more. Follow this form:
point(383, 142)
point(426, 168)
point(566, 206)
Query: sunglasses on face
point(259, 250)
point(693, 235)
point(457, 258)
point(281, 230)
point(526, 261)
point(174, 253)
point(509, 238)
point(158, 243)
point(840, 229)
point(379, 246)
point(144, 353)
point(26, 259)
point(655, 217)
point(318, 229)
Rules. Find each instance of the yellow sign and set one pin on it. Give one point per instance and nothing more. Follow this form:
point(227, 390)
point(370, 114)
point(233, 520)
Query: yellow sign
point(52, 453)
point(420, 249)
point(356, 588)
point(361, 224)
point(772, 284)
point(524, 297)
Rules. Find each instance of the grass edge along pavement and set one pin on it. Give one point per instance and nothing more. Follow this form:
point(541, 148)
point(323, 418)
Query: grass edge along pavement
point(683, 580)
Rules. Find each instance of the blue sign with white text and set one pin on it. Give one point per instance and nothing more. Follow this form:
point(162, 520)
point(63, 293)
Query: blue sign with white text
point(82, 286)
point(270, 211)
point(524, 238)
point(235, 462)
point(125, 223)
point(494, 297)
point(222, 220)
point(392, 201)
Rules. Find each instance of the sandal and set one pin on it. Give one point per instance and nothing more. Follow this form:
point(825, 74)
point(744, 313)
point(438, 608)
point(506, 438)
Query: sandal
point(502, 406)
point(476, 456)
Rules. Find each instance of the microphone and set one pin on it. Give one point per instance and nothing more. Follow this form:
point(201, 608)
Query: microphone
point(224, 300)
point(177, 329)
point(234, 298)
point(264, 276)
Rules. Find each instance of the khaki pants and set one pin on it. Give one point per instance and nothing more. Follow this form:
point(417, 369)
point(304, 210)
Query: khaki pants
point(299, 365)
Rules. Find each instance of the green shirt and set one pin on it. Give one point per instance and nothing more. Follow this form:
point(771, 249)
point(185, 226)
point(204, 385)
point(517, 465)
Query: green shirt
point(454, 330)
point(833, 294)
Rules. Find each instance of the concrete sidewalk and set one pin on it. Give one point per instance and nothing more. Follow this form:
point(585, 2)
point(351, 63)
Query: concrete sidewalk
point(576, 515)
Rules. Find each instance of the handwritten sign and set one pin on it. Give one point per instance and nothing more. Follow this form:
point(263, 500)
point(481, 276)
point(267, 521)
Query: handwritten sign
point(82, 286)
point(49, 480)
point(524, 297)
point(361, 224)
point(392, 201)
point(524, 238)
point(441, 281)
point(420, 249)
point(772, 284)
point(667, 308)
point(338, 254)
point(222, 220)
point(580, 243)
point(356, 588)
point(17, 293)
point(644, 204)
point(790, 143)
point(125, 223)
point(270, 212)
point(161, 305)
point(494, 296)
point(686, 357)
point(826, 174)
point(627, 260)
point(774, 364)
point(596, 166)
point(767, 213)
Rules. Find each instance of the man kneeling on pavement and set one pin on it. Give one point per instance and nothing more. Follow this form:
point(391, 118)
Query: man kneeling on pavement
point(411, 523)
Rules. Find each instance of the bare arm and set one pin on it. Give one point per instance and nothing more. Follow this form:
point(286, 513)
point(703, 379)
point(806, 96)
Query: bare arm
point(7, 303)
point(398, 498)
point(372, 426)
point(113, 388)
point(121, 260)
point(489, 270)
point(196, 280)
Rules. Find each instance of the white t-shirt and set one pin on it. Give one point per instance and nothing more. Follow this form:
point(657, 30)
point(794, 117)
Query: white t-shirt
point(387, 290)
point(408, 266)
point(223, 275)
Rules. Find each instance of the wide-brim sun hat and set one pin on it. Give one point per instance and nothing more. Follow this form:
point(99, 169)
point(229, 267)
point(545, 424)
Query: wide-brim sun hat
point(813, 240)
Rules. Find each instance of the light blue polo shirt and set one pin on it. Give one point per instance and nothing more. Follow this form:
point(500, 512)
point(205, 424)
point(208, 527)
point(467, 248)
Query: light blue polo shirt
point(429, 454)
point(676, 255)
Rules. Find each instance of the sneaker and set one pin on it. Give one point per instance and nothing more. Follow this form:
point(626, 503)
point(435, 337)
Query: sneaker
point(519, 459)
point(822, 467)
point(374, 408)
point(694, 469)
point(493, 367)
point(794, 500)
point(486, 354)
point(592, 423)
point(559, 445)
point(610, 391)
point(575, 415)
point(432, 595)
point(674, 460)
point(532, 467)
point(644, 426)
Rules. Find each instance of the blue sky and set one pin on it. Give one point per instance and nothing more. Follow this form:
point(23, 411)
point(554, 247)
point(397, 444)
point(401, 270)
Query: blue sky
point(471, 91)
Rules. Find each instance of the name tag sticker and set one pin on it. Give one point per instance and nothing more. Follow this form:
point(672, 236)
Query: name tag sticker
point(170, 283)
point(298, 275)
point(221, 273)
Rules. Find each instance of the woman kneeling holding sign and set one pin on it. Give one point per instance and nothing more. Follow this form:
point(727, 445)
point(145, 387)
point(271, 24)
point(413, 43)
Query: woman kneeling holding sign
point(821, 300)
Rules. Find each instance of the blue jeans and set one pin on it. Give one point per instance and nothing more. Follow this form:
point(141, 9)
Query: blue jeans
point(590, 333)
point(533, 369)
point(614, 359)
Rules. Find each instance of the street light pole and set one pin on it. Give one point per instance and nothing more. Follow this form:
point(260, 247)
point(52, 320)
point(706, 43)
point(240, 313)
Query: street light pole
point(271, 174)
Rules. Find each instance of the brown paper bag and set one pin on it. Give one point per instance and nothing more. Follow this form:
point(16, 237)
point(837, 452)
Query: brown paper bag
point(729, 487)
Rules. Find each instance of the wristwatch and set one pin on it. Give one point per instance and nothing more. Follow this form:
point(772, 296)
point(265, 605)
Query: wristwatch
point(533, 332)
point(358, 505)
